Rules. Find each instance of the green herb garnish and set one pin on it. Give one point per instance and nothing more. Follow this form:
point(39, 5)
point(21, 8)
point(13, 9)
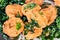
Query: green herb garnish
point(18, 26)
point(34, 23)
point(27, 26)
point(58, 22)
point(26, 31)
point(31, 6)
point(41, 13)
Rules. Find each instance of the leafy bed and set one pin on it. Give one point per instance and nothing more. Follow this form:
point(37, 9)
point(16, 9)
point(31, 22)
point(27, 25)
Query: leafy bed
point(53, 29)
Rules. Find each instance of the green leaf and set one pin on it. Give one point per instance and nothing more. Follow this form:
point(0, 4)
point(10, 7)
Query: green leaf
point(26, 31)
point(41, 13)
point(58, 21)
point(31, 6)
point(18, 26)
point(34, 23)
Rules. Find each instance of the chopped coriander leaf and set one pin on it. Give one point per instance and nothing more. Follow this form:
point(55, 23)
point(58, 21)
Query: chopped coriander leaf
point(18, 26)
point(26, 7)
point(34, 23)
point(31, 6)
point(41, 13)
point(27, 25)
point(26, 31)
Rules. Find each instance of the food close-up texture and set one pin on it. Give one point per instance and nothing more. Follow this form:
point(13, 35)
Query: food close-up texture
point(30, 18)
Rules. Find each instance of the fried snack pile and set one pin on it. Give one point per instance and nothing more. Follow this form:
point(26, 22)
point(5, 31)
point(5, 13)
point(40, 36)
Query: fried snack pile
point(37, 17)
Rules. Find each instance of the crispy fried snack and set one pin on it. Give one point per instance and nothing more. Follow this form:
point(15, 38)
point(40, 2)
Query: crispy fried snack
point(13, 27)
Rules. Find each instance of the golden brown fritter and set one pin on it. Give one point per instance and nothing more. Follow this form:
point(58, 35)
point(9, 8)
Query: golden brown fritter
point(13, 27)
point(13, 10)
